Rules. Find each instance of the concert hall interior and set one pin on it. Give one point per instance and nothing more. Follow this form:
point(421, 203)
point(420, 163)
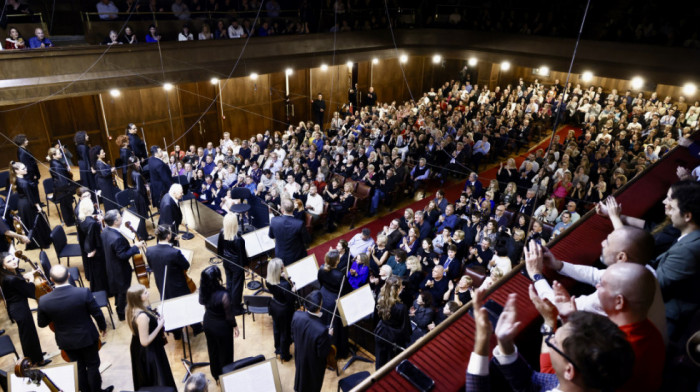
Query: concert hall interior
point(407, 190)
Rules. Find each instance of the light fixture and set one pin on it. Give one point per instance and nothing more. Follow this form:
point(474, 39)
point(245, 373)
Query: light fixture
point(349, 64)
point(168, 86)
point(115, 92)
point(587, 76)
point(690, 89)
point(543, 71)
point(375, 61)
point(324, 67)
point(505, 66)
point(288, 71)
point(637, 82)
point(473, 61)
point(436, 59)
point(214, 81)
point(254, 76)
point(403, 59)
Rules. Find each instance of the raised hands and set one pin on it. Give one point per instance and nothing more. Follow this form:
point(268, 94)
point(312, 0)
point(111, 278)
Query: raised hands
point(508, 326)
point(484, 329)
point(545, 307)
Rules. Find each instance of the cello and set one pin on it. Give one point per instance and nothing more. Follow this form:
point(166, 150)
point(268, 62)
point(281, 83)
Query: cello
point(139, 261)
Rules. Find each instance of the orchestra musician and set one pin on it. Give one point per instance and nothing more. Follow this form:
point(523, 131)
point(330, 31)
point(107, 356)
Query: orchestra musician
point(332, 281)
point(137, 145)
point(124, 154)
point(10, 235)
point(117, 254)
point(281, 306)
point(24, 156)
point(231, 248)
point(17, 289)
point(170, 213)
point(159, 175)
point(28, 202)
point(136, 181)
point(149, 361)
point(220, 326)
point(312, 342)
point(63, 186)
point(394, 327)
point(70, 310)
point(104, 178)
point(87, 177)
point(90, 227)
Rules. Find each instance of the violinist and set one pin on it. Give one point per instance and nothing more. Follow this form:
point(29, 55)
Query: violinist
point(105, 180)
point(17, 288)
point(87, 177)
point(331, 280)
point(312, 342)
point(10, 235)
point(91, 228)
point(281, 307)
point(136, 181)
point(24, 156)
point(28, 203)
point(63, 186)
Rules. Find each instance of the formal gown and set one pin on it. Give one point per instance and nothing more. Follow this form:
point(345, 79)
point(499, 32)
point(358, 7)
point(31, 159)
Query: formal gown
point(27, 195)
point(150, 366)
point(63, 190)
point(330, 288)
point(87, 178)
point(141, 203)
point(16, 291)
point(219, 321)
point(282, 309)
point(96, 267)
point(105, 183)
point(396, 331)
point(235, 260)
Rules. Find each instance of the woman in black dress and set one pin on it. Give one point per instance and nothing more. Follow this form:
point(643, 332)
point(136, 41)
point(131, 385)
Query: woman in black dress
point(28, 202)
point(63, 186)
point(149, 362)
point(331, 280)
point(339, 208)
point(344, 254)
point(136, 181)
point(282, 307)
point(124, 154)
point(231, 248)
point(91, 229)
point(105, 180)
point(219, 319)
point(394, 327)
point(24, 156)
point(87, 177)
point(17, 288)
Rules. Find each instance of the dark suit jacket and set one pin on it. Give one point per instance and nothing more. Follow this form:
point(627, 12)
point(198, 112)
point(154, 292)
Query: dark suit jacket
point(454, 270)
point(32, 169)
point(70, 308)
point(291, 238)
point(161, 255)
point(311, 336)
point(678, 272)
point(117, 255)
point(521, 377)
point(170, 213)
point(137, 146)
point(160, 178)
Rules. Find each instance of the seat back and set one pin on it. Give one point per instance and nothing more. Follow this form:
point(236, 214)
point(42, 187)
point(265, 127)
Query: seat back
point(241, 363)
point(45, 262)
point(478, 274)
point(125, 198)
point(339, 178)
point(58, 238)
point(4, 179)
point(48, 187)
point(182, 180)
point(362, 191)
point(6, 346)
point(257, 303)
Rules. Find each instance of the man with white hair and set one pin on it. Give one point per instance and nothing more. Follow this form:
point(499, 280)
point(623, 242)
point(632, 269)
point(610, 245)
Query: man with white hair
point(170, 213)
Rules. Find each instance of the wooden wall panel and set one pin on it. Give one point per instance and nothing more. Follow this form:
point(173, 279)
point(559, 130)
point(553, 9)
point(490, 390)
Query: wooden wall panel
point(333, 84)
point(27, 120)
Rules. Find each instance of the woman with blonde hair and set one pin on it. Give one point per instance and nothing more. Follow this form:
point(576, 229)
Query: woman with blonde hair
point(359, 271)
point(231, 248)
point(90, 231)
point(394, 327)
point(413, 280)
point(149, 362)
point(281, 306)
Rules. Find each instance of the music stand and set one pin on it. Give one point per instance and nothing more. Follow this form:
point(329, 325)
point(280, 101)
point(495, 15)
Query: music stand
point(354, 307)
point(258, 243)
point(178, 313)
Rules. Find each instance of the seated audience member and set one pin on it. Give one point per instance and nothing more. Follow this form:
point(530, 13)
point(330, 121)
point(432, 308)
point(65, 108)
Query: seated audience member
point(112, 39)
point(421, 315)
point(451, 263)
point(376, 282)
point(360, 242)
point(448, 310)
point(448, 219)
point(571, 209)
point(338, 209)
point(107, 10)
point(393, 234)
point(397, 262)
point(424, 227)
point(435, 284)
point(180, 10)
point(129, 36)
point(14, 40)
point(419, 174)
point(359, 271)
point(39, 41)
point(563, 224)
point(206, 33)
point(314, 204)
point(185, 35)
point(481, 254)
point(152, 35)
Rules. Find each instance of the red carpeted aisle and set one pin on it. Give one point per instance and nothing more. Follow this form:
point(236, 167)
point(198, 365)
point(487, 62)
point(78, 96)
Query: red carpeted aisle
point(452, 193)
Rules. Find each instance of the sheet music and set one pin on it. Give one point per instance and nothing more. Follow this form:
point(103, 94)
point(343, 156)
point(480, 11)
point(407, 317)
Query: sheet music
point(252, 244)
point(260, 377)
point(303, 272)
point(181, 311)
point(266, 243)
point(357, 305)
point(63, 376)
point(128, 216)
point(188, 253)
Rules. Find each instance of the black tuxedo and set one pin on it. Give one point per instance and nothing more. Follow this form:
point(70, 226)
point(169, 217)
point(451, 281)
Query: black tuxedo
point(161, 255)
point(312, 344)
point(291, 238)
point(160, 178)
point(70, 310)
point(117, 255)
point(170, 213)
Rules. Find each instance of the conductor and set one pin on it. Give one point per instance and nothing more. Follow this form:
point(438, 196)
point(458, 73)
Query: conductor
point(290, 235)
point(312, 342)
point(69, 309)
point(170, 213)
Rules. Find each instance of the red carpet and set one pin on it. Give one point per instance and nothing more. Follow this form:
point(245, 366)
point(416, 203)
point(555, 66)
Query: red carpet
point(452, 193)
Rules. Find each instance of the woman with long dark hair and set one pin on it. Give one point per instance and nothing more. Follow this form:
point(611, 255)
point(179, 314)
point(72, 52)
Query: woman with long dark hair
point(63, 186)
point(105, 181)
point(28, 202)
point(17, 289)
point(282, 307)
point(331, 280)
point(231, 248)
point(219, 319)
point(134, 179)
point(87, 177)
point(24, 156)
point(394, 327)
point(124, 154)
point(149, 362)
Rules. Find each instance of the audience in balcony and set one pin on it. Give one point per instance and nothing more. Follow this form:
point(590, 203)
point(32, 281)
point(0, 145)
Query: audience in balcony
point(185, 34)
point(152, 35)
point(206, 33)
point(112, 39)
point(107, 10)
point(39, 41)
point(180, 10)
point(15, 40)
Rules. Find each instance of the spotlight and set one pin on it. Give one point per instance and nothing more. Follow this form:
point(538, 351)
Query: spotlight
point(115, 92)
point(473, 61)
point(403, 59)
point(349, 64)
point(690, 89)
point(254, 76)
point(324, 67)
point(587, 76)
point(214, 81)
point(168, 86)
point(637, 82)
point(375, 61)
point(288, 71)
point(437, 59)
point(544, 70)
point(505, 66)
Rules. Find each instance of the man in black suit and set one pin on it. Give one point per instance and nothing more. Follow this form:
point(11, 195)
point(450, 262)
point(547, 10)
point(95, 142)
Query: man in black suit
point(159, 174)
point(318, 107)
point(312, 342)
point(526, 206)
point(69, 309)
point(137, 145)
point(117, 255)
point(24, 156)
point(290, 235)
point(170, 213)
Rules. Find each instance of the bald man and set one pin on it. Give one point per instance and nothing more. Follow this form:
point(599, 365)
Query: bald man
point(624, 245)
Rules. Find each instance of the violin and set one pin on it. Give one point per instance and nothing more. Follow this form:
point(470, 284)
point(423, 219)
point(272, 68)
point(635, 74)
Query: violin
point(41, 282)
point(162, 330)
point(23, 370)
point(139, 261)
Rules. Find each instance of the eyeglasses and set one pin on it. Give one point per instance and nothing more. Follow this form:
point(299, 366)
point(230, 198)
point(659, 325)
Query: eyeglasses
point(551, 345)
